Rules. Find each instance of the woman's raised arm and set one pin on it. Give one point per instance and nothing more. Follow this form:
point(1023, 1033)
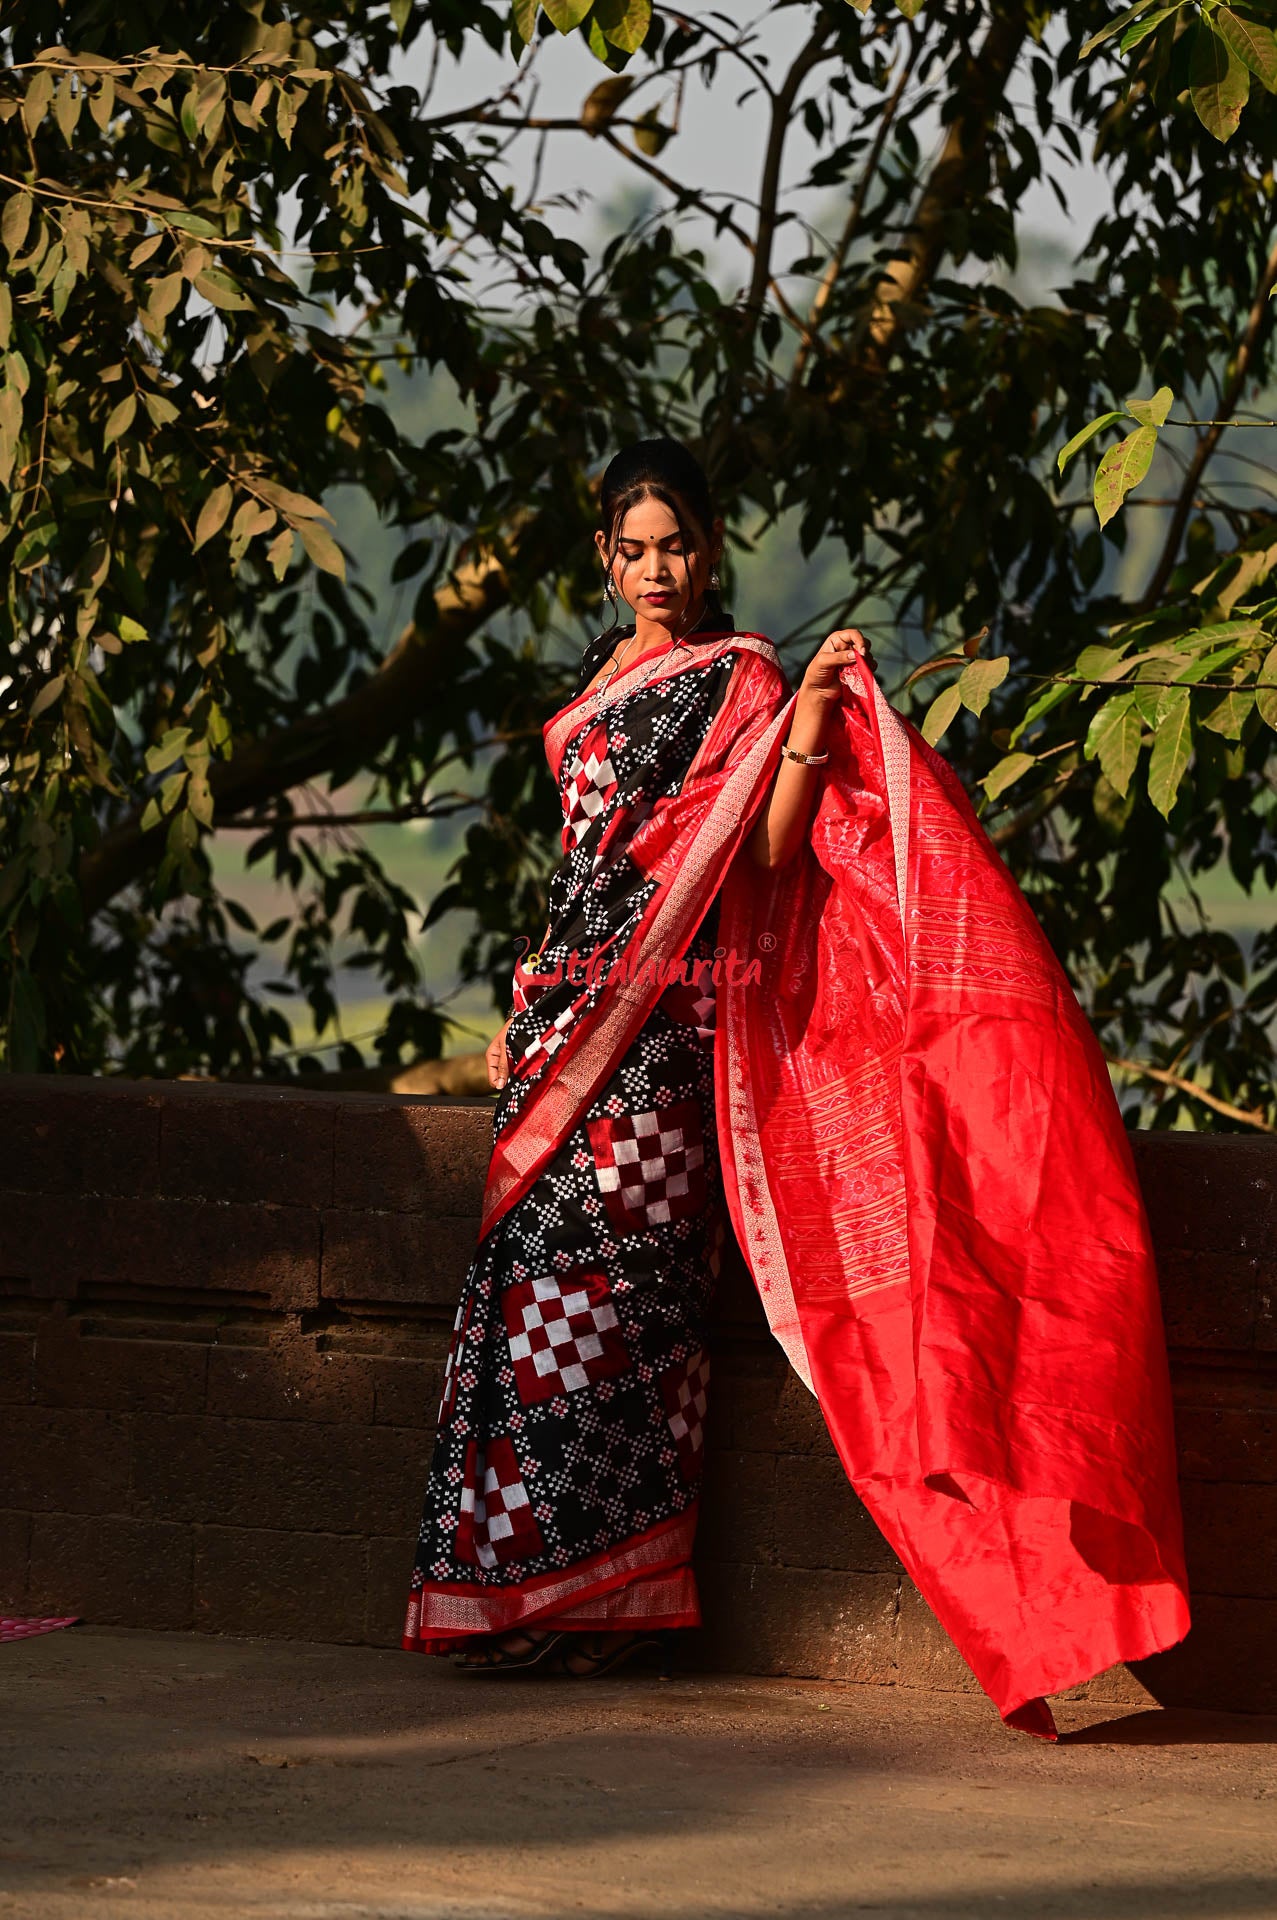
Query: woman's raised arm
point(786, 814)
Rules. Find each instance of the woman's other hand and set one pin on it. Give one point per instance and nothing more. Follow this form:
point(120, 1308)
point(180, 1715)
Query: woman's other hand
point(496, 1059)
point(821, 679)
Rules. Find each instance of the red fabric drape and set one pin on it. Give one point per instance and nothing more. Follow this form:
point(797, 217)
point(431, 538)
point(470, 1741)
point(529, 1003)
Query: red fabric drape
point(928, 1173)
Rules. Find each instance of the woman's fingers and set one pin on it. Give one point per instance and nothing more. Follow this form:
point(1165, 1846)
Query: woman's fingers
point(851, 640)
point(496, 1062)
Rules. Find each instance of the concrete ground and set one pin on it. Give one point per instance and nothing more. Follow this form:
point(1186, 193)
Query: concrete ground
point(178, 1776)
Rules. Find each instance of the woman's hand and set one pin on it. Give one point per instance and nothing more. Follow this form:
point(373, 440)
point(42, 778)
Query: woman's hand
point(821, 679)
point(496, 1059)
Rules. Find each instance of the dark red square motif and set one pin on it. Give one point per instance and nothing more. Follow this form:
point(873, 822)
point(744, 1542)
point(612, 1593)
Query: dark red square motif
point(564, 1334)
point(685, 1391)
point(496, 1521)
point(589, 781)
point(650, 1166)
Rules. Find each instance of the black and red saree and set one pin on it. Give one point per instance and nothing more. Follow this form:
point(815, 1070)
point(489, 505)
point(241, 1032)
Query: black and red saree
point(872, 1063)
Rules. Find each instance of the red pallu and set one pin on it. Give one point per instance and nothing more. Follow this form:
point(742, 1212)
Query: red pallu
point(928, 1173)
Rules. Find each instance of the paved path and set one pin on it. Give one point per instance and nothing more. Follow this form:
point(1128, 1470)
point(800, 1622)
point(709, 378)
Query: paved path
point(179, 1777)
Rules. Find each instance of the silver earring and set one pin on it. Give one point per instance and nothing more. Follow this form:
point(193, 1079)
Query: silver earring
point(609, 595)
point(714, 582)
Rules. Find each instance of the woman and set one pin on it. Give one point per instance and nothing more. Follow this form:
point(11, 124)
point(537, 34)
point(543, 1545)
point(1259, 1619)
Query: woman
point(787, 983)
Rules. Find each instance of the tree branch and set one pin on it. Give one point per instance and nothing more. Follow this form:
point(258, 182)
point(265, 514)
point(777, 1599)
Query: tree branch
point(1248, 1118)
point(1206, 446)
point(783, 102)
point(855, 213)
point(356, 727)
point(951, 177)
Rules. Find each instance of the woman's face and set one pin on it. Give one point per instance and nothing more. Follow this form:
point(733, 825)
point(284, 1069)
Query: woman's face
point(653, 572)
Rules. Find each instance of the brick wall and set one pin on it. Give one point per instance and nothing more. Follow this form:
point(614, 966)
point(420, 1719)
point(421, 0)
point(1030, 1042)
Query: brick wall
point(223, 1316)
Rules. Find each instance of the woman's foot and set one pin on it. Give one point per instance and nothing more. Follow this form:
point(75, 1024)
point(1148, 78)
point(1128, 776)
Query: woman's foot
point(587, 1656)
point(509, 1652)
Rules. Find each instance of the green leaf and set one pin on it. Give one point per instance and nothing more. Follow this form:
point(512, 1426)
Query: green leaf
point(36, 103)
point(1230, 713)
point(1142, 28)
point(1152, 413)
point(1172, 744)
point(1088, 432)
point(1122, 468)
point(1218, 82)
point(322, 548)
point(167, 749)
point(910, 8)
point(624, 22)
point(49, 692)
point(220, 290)
point(1266, 691)
point(14, 222)
point(940, 714)
point(1254, 46)
point(566, 15)
point(401, 14)
point(1114, 738)
point(1008, 770)
point(1048, 699)
point(120, 419)
point(523, 19)
point(1113, 28)
point(1099, 663)
point(213, 515)
point(978, 680)
point(130, 631)
point(163, 295)
point(298, 505)
point(649, 134)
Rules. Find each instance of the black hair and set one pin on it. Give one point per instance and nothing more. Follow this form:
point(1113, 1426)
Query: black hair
point(665, 470)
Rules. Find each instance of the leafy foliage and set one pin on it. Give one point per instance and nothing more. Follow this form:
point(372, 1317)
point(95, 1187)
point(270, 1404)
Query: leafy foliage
point(231, 244)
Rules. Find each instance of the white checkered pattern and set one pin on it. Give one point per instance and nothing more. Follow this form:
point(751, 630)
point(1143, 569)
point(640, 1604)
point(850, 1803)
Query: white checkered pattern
point(589, 781)
point(497, 1512)
point(650, 1166)
point(563, 1333)
point(685, 1391)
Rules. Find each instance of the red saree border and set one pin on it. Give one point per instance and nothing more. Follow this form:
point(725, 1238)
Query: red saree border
point(556, 733)
point(456, 1611)
point(669, 922)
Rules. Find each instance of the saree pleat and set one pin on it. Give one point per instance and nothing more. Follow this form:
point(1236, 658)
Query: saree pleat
point(565, 1479)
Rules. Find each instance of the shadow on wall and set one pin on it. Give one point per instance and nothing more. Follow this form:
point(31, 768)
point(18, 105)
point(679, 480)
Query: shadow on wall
point(223, 1319)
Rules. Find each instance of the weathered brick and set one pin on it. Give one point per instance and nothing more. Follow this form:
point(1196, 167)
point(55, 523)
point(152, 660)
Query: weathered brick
point(112, 1571)
point(253, 1144)
point(412, 1156)
point(16, 1362)
point(1225, 1661)
point(1227, 1443)
point(58, 1243)
point(65, 1461)
point(1230, 1539)
point(290, 1380)
point(1209, 1300)
point(404, 1258)
point(820, 1522)
point(79, 1136)
point(788, 1620)
point(15, 1552)
point(925, 1655)
point(407, 1391)
point(1209, 1193)
point(291, 1475)
point(389, 1576)
point(738, 1508)
point(759, 1405)
point(75, 1369)
point(292, 1586)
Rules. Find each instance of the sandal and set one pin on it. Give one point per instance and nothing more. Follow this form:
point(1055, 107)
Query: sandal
point(491, 1655)
point(603, 1653)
